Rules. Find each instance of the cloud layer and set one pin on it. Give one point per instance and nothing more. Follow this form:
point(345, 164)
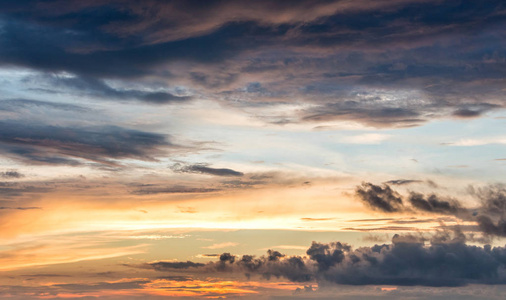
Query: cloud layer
point(405, 262)
point(387, 64)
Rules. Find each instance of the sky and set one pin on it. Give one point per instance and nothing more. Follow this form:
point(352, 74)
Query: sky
point(252, 149)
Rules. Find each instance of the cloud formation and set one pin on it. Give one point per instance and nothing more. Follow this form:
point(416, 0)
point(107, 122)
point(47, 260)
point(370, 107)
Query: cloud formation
point(387, 64)
point(381, 198)
point(405, 262)
point(48, 144)
point(204, 169)
point(11, 174)
point(490, 216)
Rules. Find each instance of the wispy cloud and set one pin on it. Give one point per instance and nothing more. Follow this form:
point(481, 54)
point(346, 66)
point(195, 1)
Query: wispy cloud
point(221, 245)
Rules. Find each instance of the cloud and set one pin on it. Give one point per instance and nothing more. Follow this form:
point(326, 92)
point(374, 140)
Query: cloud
point(433, 204)
point(173, 190)
point(402, 181)
point(48, 144)
point(204, 169)
point(16, 104)
point(221, 245)
point(370, 114)
point(385, 199)
point(405, 262)
point(21, 207)
point(386, 64)
point(366, 138)
point(98, 88)
point(78, 287)
point(479, 142)
point(161, 266)
point(11, 174)
point(9, 190)
point(380, 198)
point(490, 216)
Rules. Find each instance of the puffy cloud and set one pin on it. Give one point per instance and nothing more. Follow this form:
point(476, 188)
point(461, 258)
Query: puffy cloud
point(433, 204)
point(380, 198)
point(406, 262)
point(490, 216)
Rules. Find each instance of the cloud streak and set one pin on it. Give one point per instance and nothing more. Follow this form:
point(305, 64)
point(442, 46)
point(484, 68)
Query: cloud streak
point(48, 144)
point(205, 169)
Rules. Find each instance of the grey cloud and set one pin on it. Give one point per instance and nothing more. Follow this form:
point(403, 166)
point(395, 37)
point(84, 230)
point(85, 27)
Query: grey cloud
point(17, 104)
point(380, 198)
point(9, 190)
point(490, 216)
point(11, 174)
point(491, 227)
point(41, 143)
point(433, 204)
point(204, 169)
point(327, 255)
point(99, 88)
point(385, 199)
point(402, 181)
point(406, 262)
point(383, 64)
point(371, 114)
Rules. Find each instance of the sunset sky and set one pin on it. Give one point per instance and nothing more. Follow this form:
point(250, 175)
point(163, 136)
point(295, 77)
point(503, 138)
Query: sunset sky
point(251, 149)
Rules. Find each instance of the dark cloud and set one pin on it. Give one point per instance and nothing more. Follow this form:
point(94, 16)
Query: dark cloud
point(491, 216)
point(17, 104)
point(41, 143)
point(204, 169)
point(9, 190)
point(11, 174)
point(386, 64)
point(369, 113)
point(40, 48)
point(99, 88)
point(386, 199)
point(433, 204)
point(402, 181)
point(380, 198)
point(405, 262)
